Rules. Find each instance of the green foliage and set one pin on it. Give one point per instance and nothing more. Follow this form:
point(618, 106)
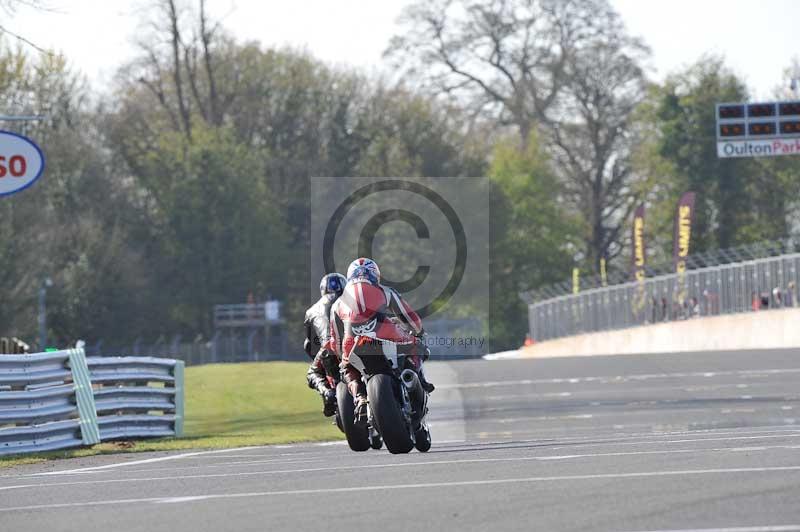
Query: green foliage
point(145, 220)
point(188, 183)
point(533, 237)
point(217, 232)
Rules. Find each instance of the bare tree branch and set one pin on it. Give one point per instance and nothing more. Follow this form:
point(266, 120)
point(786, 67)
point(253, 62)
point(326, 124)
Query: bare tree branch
point(176, 42)
point(206, 34)
point(30, 43)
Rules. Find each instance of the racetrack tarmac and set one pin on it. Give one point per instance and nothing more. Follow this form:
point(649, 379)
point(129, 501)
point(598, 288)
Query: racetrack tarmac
point(620, 443)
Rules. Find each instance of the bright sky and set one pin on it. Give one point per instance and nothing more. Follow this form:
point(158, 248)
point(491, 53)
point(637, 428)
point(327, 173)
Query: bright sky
point(758, 38)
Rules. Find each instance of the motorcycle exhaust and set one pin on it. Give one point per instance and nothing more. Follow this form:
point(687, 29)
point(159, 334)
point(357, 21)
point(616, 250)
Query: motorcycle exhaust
point(412, 384)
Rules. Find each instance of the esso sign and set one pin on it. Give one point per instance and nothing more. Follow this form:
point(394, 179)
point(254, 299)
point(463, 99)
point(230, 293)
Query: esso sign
point(21, 162)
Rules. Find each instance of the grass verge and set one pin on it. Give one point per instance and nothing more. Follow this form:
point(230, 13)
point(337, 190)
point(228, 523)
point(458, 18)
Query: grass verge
point(231, 405)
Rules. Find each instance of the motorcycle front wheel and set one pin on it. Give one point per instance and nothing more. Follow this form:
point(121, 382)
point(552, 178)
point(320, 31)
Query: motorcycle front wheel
point(388, 416)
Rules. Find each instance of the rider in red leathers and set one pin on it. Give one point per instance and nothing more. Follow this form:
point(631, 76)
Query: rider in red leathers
point(368, 306)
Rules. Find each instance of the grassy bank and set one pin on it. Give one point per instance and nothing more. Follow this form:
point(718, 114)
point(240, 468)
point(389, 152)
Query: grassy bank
point(232, 405)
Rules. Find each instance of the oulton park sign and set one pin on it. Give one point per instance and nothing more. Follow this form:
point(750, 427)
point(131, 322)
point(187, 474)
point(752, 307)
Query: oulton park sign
point(758, 129)
point(758, 148)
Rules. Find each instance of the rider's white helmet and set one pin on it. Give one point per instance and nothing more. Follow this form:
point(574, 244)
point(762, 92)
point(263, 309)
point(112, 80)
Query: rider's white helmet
point(364, 268)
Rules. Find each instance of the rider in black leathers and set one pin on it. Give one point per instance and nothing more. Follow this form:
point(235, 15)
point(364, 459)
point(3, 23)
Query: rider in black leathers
point(317, 329)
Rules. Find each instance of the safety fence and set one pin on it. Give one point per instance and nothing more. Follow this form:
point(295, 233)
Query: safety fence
point(704, 259)
point(755, 285)
point(64, 399)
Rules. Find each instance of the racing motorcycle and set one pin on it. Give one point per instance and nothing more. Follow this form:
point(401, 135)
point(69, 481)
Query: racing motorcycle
point(398, 404)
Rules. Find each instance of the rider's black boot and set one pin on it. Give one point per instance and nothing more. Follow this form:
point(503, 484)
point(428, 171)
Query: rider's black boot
point(361, 411)
point(328, 403)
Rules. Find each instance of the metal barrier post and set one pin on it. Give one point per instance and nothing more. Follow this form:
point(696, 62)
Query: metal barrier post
point(178, 373)
point(90, 432)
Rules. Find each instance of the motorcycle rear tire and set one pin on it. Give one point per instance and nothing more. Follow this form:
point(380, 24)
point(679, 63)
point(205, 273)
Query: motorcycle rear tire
point(357, 437)
point(387, 414)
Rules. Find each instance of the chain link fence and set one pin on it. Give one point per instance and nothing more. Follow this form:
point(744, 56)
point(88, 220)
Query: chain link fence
point(755, 285)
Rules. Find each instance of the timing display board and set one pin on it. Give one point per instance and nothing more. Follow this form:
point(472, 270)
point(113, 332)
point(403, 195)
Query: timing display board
point(758, 129)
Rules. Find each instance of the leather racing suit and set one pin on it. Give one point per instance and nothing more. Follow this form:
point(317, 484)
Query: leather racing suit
point(377, 308)
point(324, 362)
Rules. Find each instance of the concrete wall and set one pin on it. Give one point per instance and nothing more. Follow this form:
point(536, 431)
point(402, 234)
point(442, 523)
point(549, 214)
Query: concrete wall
point(771, 329)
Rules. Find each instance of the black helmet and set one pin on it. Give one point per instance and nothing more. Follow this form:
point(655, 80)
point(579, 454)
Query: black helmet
point(332, 283)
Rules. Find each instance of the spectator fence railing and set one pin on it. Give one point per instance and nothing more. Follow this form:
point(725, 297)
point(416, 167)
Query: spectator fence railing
point(754, 285)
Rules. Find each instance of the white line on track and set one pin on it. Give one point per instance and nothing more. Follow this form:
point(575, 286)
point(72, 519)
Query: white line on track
point(650, 390)
point(570, 441)
point(611, 439)
point(614, 438)
point(465, 483)
point(222, 464)
point(773, 429)
point(426, 463)
point(138, 462)
point(620, 379)
point(609, 414)
point(768, 528)
point(177, 500)
point(254, 455)
point(180, 456)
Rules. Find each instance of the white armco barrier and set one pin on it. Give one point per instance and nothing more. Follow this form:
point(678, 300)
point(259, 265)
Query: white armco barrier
point(766, 329)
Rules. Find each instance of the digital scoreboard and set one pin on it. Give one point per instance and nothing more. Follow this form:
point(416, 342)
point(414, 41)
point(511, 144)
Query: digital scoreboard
point(758, 129)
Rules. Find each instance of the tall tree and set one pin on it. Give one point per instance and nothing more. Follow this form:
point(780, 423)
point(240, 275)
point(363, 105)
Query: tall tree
point(533, 237)
point(593, 137)
point(566, 68)
point(507, 57)
point(287, 117)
